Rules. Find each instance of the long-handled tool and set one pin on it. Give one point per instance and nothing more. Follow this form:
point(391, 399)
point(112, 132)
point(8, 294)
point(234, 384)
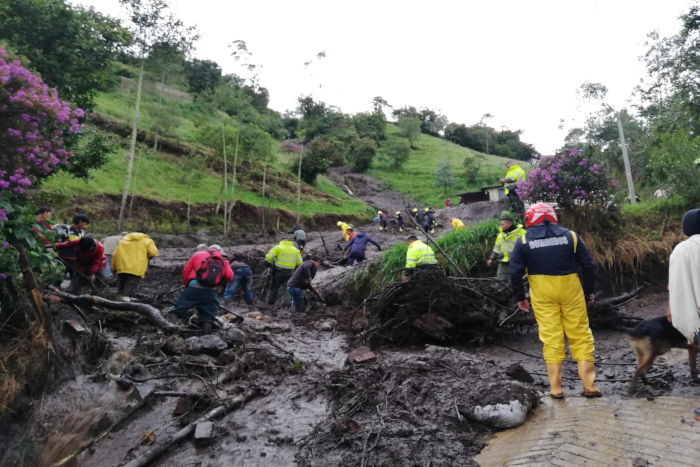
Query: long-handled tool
point(238, 318)
point(317, 293)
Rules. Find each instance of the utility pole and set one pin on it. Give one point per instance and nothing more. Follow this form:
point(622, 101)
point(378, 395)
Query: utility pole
point(628, 169)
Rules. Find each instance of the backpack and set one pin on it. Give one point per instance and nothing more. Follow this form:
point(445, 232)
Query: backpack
point(62, 233)
point(210, 271)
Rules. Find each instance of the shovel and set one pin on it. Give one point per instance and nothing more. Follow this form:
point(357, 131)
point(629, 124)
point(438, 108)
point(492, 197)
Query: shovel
point(318, 294)
point(238, 318)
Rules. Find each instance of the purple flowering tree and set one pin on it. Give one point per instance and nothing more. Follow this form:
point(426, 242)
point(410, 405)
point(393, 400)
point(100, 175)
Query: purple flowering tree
point(570, 181)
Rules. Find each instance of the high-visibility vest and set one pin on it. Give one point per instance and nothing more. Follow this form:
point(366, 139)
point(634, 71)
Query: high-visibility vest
point(516, 173)
point(419, 253)
point(284, 255)
point(505, 242)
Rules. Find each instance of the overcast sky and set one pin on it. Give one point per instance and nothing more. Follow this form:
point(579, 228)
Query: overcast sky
point(521, 61)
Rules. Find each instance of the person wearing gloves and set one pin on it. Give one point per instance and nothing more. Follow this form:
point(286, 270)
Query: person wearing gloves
point(429, 220)
point(344, 226)
point(382, 221)
point(283, 259)
point(89, 264)
point(203, 274)
point(399, 219)
point(550, 256)
point(301, 280)
point(357, 247)
point(130, 262)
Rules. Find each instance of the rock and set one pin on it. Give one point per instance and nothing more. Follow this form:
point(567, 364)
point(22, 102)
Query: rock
point(204, 433)
point(199, 359)
point(326, 325)
point(175, 345)
point(132, 369)
point(519, 373)
point(123, 382)
point(501, 405)
point(227, 356)
point(360, 355)
point(105, 421)
point(181, 407)
point(210, 344)
point(234, 336)
point(138, 393)
point(639, 462)
point(74, 327)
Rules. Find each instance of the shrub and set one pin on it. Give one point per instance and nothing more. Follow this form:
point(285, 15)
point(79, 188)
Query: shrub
point(397, 153)
point(362, 151)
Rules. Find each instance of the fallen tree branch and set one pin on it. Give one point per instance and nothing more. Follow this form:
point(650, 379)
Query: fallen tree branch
point(153, 314)
point(148, 459)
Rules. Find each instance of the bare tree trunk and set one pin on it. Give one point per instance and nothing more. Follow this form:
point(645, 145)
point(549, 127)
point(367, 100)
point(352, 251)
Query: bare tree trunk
point(32, 288)
point(189, 203)
point(233, 182)
point(263, 196)
point(133, 187)
point(132, 149)
point(223, 143)
point(160, 111)
point(299, 186)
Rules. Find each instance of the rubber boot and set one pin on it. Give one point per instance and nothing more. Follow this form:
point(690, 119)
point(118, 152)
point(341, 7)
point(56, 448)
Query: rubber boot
point(554, 375)
point(250, 304)
point(586, 371)
point(206, 328)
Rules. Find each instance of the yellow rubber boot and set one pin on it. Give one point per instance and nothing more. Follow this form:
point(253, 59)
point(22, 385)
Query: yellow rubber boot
point(554, 375)
point(586, 371)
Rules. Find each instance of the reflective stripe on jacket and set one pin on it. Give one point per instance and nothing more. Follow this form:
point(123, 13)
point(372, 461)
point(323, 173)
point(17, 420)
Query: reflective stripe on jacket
point(514, 174)
point(419, 253)
point(505, 243)
point(284, 255)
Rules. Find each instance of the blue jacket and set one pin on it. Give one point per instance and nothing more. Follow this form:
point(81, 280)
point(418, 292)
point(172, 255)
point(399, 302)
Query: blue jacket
point(550, 250)
point(359, 243)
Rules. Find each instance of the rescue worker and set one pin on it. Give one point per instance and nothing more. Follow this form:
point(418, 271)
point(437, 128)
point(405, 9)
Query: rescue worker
point(429, 222)
point(399, 219)
point(344, 227)
point(43, 216)
point(75, 232)
point(242, 279)
point(456, 223)
point(419, 255)
point(283, 259)
point(417, 217)
point(130, 262)
point(301, 280)
point(110, 243)
point(515, 173)
point(204, 272)
point(357, 247)
point(89, 263)
point(300, 238)
point(506, 239)
point(549, 254)
point(448, 203)
point(382, 221)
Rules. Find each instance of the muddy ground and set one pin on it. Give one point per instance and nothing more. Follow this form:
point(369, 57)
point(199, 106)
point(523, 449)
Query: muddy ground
point(291, 397)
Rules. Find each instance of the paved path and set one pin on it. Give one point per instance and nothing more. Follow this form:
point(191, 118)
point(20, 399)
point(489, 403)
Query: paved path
point(601, 432)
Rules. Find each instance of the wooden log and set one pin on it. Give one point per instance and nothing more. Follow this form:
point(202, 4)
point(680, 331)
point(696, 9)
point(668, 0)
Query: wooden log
point(153, 314)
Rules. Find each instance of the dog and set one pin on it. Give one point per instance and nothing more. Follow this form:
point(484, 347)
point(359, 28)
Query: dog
point(655, 337)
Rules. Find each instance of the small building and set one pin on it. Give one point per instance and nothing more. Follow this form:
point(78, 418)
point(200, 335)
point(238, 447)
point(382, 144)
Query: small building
point(487, 193)
point(494, 192)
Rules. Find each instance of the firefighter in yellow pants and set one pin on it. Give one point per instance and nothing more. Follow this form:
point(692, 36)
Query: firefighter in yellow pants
point(549, 255)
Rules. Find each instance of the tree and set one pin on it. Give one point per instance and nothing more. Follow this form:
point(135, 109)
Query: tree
point(397, 153)
point(322, 153)
point(433, 123)
point(370, 125)
point(443, 175)
point(410, 129)
point(71, 47)
point(472, 165)
point(151, 24)
point(203, 75)
point(363, 151)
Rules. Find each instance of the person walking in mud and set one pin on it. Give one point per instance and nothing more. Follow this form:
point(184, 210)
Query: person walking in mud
point(300, 238)
point(130, 262)
point(508, 236)
point(110, 243)
point(344, 226)
point(399, 220)
point(417, 217)
point(301, 280)
point(429, 220)
point(204, 272)
point(89, 263)
point(357, 247)
point(242, 280)
point(550, 255)
point(282, 259)
point(381, 217)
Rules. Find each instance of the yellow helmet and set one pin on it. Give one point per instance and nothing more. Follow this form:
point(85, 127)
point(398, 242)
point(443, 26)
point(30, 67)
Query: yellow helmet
point(339, 223)
point(415, 209)
point(398, 213)
point(427, 209)
point(380, 212)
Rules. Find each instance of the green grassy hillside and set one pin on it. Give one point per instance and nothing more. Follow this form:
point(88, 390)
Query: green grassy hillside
point(417, 176)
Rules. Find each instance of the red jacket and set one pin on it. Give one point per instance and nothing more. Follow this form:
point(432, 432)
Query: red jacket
point(190, 271)
point(41, 221)
point(86, 262)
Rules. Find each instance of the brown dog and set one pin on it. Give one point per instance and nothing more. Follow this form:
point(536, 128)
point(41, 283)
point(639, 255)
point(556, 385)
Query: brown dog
point(655, 337)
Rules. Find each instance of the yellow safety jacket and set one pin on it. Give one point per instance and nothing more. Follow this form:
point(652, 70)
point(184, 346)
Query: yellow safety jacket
point(284, 255)
point(457, 224)
point(505, 242)
point(419, 253)
point(344, 227)
point(514, 174)
point(132, 254)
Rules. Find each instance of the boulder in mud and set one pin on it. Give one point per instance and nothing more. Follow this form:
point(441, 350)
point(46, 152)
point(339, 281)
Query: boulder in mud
point(234, 336)
point(361, 355)
point(175, 345)
point(504, 404)
point(226, 357)
point(519, 373)
point(210, 345)
point(326, 325)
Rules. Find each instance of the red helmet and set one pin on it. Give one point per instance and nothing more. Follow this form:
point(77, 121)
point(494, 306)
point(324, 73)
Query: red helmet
point(539, 213)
